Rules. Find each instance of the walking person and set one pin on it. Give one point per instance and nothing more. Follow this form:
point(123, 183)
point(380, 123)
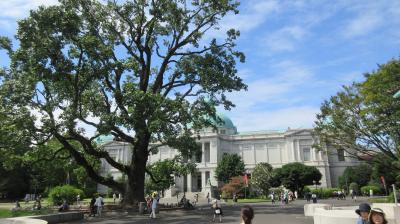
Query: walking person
point(377, 216)
point(272, 196)
point(92, 207)
point(363, 211)
point(99, 204)
point(114, 197)
point(246, 214)
point(216, 205)
point(153, 207)
point(208, 198)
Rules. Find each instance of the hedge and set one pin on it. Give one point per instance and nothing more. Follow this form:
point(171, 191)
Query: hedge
point(65, 192)
point(365, 190)
point(324, 192)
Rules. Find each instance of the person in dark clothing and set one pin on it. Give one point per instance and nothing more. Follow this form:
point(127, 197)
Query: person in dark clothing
point(246, 214)
point(93, 208)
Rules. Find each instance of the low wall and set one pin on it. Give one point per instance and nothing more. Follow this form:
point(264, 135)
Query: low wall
point(22, 220)
point(322, 216)
point(45, 219)
point(347, 215)
point(309, 209)
point(61, 217)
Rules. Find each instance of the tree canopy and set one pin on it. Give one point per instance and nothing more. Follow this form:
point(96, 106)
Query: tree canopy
point(358, 174)
point(231, 165)
point(163, 173)
point(295, 176)
point(363, 118)
point(261, 177)
point(143, 71)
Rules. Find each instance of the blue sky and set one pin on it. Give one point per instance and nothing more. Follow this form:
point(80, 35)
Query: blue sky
point(298, 53)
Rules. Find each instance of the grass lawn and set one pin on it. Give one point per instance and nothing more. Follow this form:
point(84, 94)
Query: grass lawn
point(7, 213)
point(378, 200)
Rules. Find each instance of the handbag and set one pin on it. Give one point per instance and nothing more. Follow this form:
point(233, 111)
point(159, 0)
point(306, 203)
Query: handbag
point(217, 211)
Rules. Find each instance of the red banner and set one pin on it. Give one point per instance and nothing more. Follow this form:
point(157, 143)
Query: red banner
point(246, 179)
point(383, 181)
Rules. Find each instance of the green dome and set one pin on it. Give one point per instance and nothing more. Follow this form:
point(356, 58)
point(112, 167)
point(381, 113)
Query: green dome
point(227, 122)
point(104, 138)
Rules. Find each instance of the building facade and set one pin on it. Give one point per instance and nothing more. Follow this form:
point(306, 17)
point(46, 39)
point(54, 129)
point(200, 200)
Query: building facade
point(274, 147)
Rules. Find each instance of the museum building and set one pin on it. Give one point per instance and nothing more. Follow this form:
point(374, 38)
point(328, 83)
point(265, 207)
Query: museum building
point(274, 147)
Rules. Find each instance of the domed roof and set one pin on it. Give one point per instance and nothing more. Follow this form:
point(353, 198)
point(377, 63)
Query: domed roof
point(227, 122)
point(104, 138)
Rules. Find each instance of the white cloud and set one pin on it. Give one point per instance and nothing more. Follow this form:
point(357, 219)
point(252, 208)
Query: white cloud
point(250, 17)
point(272, 86)
point(284, 39)
point(363, 24)
point(294, 117)
point(13, 10)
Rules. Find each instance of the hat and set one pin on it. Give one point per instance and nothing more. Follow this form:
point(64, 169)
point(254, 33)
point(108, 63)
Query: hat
point(363, 207)
point(377, 210)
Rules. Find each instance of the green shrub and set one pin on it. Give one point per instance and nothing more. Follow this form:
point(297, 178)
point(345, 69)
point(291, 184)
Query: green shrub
point(277, 190)
point(65, 192)
point(324, 192)
point(354, 186)
point(365, 190)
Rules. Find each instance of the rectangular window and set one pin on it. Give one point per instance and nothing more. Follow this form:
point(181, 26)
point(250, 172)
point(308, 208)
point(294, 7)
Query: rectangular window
point(340, 153)
point(306, 154)
point(207, 152)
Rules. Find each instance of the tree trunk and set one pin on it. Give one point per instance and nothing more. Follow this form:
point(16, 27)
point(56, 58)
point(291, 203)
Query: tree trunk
point(134, 192)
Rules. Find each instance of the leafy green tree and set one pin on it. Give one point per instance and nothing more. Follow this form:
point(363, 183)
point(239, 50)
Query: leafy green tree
point(163, 173)
point(363, 118)
point(261, 177)
point(380, 168)
point(360, 174)
point(137, 66)
point(295, 176)
point(231, 165)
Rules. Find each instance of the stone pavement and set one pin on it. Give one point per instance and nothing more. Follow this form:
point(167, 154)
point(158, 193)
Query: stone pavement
point(264, 213)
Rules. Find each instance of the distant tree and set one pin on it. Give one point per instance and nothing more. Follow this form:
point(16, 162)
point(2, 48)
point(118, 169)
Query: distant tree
point(275, 179)
point(363, 118)
point(261, 177)
point(295, 176)
point(235, 185)
point(163, 173)
point(380, 168)
point(360, 174)
point(354, 187)
point(231, 165)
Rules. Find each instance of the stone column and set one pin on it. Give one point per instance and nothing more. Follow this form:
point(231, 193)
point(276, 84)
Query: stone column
point(203, 158)
point(203, 181)
point(293, 150)
point(299, 157)
point(189, 182)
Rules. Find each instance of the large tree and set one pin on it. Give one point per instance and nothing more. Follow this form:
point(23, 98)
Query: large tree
point(363, 118)
point(231, 165)
point(140, 70)
point(261, 177)
point(358, 174)
point(295, 176)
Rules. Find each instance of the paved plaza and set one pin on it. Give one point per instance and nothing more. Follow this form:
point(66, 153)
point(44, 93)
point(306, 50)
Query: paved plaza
point(264, 213)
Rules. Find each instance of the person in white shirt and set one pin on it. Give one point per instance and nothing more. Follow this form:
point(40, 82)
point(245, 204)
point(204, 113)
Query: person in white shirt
point(99, 203)
point(216, 205)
